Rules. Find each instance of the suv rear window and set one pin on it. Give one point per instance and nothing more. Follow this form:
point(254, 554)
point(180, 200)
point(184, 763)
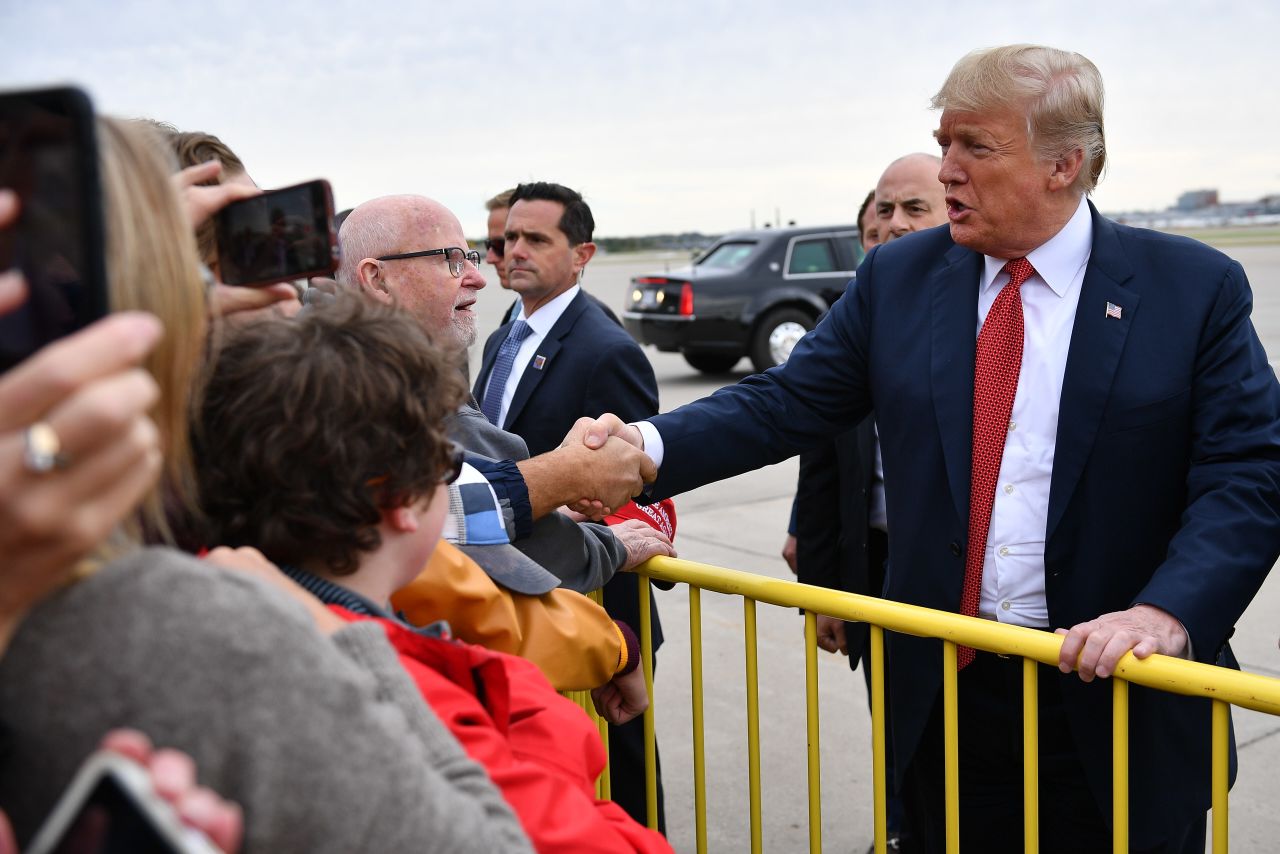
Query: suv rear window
point(812, 256)
point(727, 256)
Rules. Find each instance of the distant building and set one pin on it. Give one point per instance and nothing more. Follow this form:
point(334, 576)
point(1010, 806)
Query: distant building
point(1194, 200)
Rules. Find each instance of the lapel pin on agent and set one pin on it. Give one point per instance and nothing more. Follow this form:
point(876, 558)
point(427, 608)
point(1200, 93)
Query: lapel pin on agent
point(1114, 310)
point(540, 361)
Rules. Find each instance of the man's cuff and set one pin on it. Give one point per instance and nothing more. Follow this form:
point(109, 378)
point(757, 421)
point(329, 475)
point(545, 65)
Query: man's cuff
point(652, 441)
point(509, 486)
point(629, 654)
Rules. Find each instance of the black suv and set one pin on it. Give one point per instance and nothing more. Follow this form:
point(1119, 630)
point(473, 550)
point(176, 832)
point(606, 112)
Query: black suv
point(753, 293)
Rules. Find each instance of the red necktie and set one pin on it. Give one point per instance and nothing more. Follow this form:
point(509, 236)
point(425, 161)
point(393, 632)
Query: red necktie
point(995, 382)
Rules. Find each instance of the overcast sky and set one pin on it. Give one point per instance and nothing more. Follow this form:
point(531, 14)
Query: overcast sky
point(668, 116)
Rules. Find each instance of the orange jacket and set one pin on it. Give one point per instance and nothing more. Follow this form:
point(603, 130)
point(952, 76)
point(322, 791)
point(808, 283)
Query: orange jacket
point(571, 639)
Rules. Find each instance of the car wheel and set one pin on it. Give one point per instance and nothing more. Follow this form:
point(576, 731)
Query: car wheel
point(711, 363)
point(776, 335)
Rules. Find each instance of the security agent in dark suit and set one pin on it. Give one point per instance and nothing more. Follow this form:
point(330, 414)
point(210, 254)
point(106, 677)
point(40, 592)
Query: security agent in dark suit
point(560, 359)
point(495, 249)
point(1141, 502)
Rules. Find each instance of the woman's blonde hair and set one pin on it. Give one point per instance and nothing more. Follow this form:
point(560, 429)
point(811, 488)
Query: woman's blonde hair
point(152, 266)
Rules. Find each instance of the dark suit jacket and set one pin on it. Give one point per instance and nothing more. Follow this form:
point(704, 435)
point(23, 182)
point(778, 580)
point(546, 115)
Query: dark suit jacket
point(592, 366)
point(1166, 478)
point(833, 513)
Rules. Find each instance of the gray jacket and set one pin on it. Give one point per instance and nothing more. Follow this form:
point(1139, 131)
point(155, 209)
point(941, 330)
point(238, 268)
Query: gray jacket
point(582, 555)
point(324, 741)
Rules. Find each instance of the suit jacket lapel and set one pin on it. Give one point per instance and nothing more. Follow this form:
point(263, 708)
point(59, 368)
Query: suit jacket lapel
point(955, 318)
point(1097, 341)
point(547, 349)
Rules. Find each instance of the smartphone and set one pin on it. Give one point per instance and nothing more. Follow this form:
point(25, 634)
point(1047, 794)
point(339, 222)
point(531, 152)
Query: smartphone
point(278, 236)
point(111, 808)
point(49, 157)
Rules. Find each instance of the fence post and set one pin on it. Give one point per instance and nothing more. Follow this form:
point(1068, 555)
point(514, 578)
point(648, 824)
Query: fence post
point(699, 748)
point(1030, 756)
point(951, 746)
point(753, 723)
point(811, 730)
point(1120, 766)
point(879, 785)
point(650, 745)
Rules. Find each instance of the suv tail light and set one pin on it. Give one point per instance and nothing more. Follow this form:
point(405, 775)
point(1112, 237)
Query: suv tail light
point(686, 299)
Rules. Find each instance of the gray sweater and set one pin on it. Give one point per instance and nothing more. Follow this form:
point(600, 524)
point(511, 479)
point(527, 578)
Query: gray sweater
point(325, 742)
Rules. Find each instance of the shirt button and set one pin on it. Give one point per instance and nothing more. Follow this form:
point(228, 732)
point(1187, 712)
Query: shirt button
point(1006, 605)
point(1013, 425)
point(1004, 551)
point(1008, 489)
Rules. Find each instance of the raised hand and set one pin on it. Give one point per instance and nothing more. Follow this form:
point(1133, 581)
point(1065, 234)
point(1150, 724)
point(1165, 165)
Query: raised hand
point(78, 453)
point(594, 432)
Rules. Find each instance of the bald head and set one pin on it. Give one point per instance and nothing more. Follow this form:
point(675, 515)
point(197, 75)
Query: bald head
point(909, 196)
point(425, 285)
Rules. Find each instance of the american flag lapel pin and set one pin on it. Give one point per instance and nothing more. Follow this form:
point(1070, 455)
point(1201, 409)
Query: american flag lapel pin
point(539, 362)
point(1114, 310)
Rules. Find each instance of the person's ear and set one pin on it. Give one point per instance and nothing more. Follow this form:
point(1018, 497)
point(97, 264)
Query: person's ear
point(1066, 169)
point(402, 520)
point(582, 253)
point(373, 280)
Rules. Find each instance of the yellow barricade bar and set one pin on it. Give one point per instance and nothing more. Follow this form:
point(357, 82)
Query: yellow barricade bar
point(1162, 673)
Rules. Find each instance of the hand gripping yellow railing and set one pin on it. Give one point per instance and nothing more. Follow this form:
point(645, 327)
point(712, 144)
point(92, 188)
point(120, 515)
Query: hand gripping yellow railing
point(1224, 687)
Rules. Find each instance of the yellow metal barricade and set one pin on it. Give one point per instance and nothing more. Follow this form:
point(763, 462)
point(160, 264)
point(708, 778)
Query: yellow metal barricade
point(1223, 686)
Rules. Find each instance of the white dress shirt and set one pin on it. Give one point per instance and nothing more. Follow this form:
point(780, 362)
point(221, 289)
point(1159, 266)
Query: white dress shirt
point(540, 323)
point(1013, 570)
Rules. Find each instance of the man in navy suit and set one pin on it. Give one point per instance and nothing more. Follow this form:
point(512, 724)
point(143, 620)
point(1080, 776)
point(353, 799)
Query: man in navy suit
point(559, 359)
point(1103, 460)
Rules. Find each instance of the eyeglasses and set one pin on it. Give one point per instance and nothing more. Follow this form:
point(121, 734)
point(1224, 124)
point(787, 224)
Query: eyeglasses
point(452, 254)
point(496, 245)
point(455, 466)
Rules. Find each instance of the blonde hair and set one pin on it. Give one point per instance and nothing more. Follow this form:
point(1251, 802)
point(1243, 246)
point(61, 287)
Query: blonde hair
point(1060, 91)
point(152, 266)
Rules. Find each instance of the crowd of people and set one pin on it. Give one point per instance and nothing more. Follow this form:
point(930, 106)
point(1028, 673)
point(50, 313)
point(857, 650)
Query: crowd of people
point(269, 538)
point(273, 531)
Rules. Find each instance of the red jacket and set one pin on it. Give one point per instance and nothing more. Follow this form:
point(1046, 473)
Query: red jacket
point(540, 749)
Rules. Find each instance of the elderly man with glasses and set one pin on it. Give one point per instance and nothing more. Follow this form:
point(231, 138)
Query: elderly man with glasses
point(410, 251)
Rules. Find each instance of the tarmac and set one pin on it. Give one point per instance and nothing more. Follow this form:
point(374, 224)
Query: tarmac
point(741, 523)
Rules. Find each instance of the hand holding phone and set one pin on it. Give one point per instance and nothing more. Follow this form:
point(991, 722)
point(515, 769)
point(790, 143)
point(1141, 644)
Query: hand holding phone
point(278, 236)
point(49, 158)
point(112, 807)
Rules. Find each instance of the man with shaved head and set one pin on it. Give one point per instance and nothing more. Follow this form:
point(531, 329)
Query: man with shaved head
point(410, 251)
point(909, 196)
point(386, 250)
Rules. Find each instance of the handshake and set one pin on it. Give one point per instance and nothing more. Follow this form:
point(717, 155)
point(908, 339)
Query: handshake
point(603, 464)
